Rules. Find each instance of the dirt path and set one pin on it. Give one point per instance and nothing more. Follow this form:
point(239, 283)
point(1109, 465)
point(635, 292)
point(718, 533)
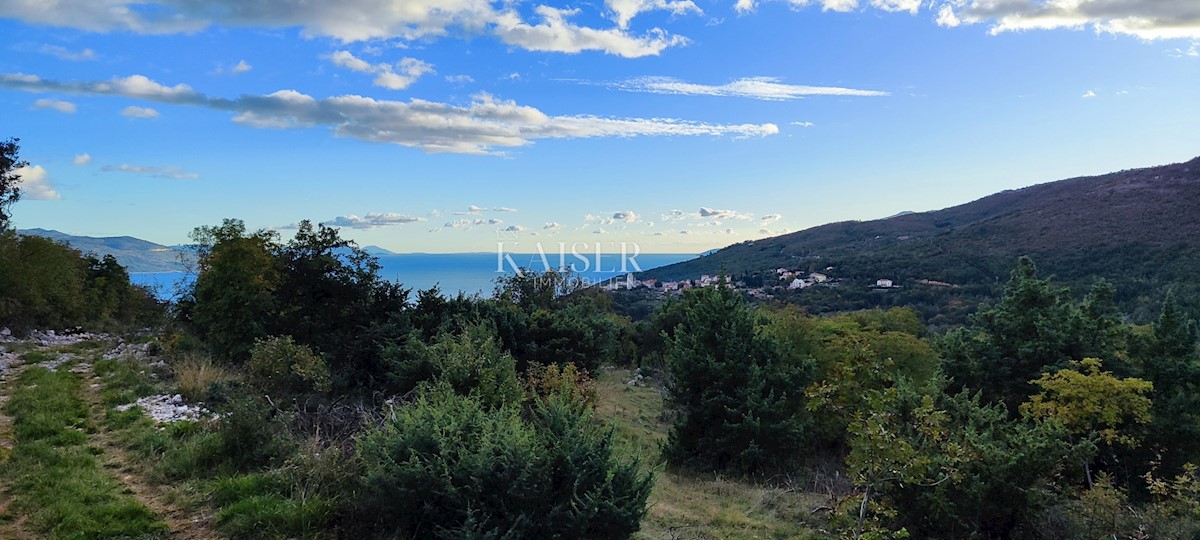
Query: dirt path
point(183, 524)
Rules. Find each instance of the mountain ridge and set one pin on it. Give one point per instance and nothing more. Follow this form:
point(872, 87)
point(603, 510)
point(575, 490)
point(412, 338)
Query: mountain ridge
point(1137, 228)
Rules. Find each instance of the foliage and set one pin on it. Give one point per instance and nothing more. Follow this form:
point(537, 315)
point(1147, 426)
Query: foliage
point(1032, 329)
point(950, 467)
point(741, 402)
point(233, 296)
point(1092, 402)
point(46, 284)
point(279, 366)
point(10, 179)
point(470, 363)
point(461, 469)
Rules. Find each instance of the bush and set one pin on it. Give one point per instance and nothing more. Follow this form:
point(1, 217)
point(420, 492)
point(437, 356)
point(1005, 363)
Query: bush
point(460, 469)
point(279, 366)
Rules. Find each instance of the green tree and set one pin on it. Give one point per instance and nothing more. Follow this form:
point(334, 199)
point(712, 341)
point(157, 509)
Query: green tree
point(329, 296)
point(1169, 360)
point(1091, 403)
point(741, 402)
point(232, 299)
point(10, 191)
point(1032, 329)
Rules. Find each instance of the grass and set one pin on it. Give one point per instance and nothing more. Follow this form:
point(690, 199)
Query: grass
point(55, 478)
point(685, 505)
point(196, 373)
point(290, 500)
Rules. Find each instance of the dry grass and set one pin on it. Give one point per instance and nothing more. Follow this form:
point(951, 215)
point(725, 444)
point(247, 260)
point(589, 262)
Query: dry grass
point(196, 373)
point(691, 506)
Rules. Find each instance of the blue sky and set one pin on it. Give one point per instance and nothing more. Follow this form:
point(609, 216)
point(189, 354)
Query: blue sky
point(682, 125)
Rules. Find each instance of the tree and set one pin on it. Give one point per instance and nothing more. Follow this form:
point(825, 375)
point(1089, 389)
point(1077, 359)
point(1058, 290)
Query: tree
point(1033, 328)
point(10, 179)
point(741, 402)
point(232, 298)
point(1091, 403)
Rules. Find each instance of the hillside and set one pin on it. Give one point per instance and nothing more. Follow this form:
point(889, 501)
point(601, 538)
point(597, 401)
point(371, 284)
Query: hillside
point(1136, 228)
point(134, 254)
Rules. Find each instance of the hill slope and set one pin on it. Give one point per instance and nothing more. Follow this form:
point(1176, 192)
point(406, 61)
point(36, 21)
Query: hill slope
point(1138, 228)
point(134, 254)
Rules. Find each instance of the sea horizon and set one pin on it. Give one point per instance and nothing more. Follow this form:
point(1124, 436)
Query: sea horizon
point(468, 273)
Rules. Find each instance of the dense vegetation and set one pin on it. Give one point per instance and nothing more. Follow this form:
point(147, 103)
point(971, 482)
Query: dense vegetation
point(47, 284)
point(349, 407)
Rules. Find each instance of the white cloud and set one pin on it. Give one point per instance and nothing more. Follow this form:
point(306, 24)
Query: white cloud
point(765, 88)
point(372, 220)
point(503, 209)
point(64, 53)
point(35, 184)
point(485, 126)
point(82, 159)
point(169, 172)
point(1088, 94)
point(769, 218)
point(476, 209)
point(552, 226)
point(241, 67)
point(360, 20)
point(625, 10)
point(803, 124)
point(947, 18)
point(139, 112)
point(459, 79)
point(712, 213)
point(1145, 19)
point(556, 34)
point(65, 107)
point(396, 76)
point(628, 216)
point(515, 228)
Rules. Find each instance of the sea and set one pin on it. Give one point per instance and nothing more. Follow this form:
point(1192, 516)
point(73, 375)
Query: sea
point(468, 273)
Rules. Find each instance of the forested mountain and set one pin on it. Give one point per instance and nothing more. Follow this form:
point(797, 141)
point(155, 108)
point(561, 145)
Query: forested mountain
point(1140, 229)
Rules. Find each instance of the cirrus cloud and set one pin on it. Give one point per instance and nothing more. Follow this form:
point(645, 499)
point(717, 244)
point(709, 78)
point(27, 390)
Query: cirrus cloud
point(764, 88)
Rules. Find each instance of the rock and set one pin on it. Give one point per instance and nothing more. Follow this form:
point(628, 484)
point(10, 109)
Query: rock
point(166, 409)
point(5, 332)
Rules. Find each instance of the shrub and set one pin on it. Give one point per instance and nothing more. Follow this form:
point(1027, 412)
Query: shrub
point(460, 469)
point(279, 366)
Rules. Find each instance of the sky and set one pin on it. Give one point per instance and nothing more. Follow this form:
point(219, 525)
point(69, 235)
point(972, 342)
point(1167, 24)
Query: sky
point(676, 125)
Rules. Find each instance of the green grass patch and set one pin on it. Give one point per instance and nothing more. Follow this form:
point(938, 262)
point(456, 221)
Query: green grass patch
point(54, 476)
point(686, 505)
point(124, 380)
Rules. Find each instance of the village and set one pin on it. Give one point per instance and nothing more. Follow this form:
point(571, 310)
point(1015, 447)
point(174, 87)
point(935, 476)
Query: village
point(786, 280)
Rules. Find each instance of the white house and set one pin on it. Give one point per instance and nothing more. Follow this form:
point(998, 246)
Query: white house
point(883, 283)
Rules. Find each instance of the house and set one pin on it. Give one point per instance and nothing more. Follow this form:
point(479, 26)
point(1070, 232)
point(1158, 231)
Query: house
point(818, 277)
point(883, 283)
point(797, 284)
